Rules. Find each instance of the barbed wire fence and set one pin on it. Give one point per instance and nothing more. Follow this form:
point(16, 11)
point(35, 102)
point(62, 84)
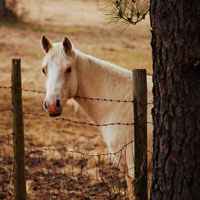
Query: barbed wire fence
point(70, 174)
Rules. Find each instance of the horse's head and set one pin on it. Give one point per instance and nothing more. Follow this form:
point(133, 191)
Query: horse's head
point(59, 67)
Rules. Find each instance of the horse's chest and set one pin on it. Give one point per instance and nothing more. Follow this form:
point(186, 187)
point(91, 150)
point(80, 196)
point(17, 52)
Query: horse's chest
point(117, 135)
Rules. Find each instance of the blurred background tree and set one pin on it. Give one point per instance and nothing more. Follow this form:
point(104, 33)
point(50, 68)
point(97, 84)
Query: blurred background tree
point(8, 8)
point(3, 8)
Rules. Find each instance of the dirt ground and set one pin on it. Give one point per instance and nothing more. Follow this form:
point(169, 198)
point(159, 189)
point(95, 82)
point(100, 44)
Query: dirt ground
point(89, 27)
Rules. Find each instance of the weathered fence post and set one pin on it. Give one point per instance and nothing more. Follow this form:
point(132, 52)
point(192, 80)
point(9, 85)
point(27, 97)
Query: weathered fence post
point(140, 133)
point(18, 132)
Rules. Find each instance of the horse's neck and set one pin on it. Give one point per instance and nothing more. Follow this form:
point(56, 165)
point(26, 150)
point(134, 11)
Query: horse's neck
point(97, 78)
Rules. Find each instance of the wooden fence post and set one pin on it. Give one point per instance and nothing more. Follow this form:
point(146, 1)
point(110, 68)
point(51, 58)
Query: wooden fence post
point(140, 134)
point(18, 132)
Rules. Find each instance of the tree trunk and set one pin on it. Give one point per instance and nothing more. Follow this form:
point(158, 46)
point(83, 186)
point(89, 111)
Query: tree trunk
point(176, 114)
point(2, 8)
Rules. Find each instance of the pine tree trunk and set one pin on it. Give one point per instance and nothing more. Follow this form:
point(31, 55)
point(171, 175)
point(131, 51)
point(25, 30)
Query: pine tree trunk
point(176, 114)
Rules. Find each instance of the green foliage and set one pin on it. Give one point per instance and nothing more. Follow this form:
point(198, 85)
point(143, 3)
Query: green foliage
point(132, 11)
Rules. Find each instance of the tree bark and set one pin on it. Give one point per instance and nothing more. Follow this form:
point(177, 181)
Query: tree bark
point(176, 114)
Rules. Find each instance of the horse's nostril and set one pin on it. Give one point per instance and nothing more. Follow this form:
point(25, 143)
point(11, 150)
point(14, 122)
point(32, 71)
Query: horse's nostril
point(45, 105)
point(58, 103)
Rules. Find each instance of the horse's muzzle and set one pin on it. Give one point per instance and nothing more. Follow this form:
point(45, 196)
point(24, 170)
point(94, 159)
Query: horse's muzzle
point(54, 114)
point(54, 110)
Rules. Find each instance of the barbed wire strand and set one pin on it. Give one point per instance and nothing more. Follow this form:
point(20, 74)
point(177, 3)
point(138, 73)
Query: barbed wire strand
point(85, 123)
point(53, 148)
point(98, 99)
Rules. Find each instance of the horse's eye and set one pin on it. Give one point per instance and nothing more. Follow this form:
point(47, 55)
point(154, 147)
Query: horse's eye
point(44, 70)
point(68, 70)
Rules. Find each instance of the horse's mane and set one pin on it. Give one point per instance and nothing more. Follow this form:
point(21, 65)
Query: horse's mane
point(104, 64)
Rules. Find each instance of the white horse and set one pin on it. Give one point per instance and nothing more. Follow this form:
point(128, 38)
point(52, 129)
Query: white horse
point(71, 73)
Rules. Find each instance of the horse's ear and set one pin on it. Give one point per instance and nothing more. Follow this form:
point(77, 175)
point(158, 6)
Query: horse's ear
point(46, 44)
point(67, 45)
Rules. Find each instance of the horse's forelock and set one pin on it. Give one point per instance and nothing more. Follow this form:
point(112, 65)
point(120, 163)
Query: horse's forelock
point(57, 50)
